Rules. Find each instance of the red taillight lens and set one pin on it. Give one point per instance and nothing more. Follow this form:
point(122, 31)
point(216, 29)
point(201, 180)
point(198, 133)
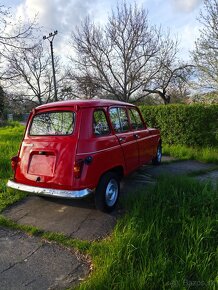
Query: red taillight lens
point(14, 161)
point(77, 169)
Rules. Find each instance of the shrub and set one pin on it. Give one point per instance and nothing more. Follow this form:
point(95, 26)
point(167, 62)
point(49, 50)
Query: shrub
point(193, 125)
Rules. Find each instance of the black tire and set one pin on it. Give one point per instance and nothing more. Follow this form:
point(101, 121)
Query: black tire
point(157, 159)
point(107, 192)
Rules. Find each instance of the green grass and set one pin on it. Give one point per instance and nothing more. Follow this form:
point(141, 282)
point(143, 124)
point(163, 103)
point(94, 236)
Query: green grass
point(207, 154)
point(66, 241)
point(10, 138)
point(168, 237)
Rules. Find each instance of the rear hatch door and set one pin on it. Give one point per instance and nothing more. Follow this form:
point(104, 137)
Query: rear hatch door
point(48, 150)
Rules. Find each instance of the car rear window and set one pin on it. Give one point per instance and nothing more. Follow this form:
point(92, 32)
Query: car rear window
point(53, 123)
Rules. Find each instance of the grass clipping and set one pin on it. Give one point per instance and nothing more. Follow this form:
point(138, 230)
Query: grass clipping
point(167, 240)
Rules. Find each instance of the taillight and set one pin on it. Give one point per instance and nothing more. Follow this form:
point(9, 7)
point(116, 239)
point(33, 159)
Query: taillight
point(78, 167)
point(14, 161)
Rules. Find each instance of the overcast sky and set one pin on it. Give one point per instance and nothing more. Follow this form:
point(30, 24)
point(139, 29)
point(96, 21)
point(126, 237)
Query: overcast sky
point(63, 15)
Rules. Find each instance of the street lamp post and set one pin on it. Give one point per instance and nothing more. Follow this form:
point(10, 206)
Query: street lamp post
point(50, 37)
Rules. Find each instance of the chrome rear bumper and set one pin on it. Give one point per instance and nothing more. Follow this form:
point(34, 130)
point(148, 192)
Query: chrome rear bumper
point(74, 194)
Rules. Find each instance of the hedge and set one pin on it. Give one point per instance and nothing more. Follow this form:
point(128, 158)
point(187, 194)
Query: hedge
point(189, 125)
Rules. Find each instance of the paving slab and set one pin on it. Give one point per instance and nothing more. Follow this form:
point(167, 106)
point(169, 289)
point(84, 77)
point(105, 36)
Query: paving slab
point(209, 177)
point(148, 174)
point(78, 219)
point(176, 168)
point(27, 262)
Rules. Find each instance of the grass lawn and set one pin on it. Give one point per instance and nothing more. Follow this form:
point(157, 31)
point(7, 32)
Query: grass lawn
point(10, 138)
point(166, 240)
point(206, 154)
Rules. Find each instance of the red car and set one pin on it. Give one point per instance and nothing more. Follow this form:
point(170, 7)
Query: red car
point(73, 148)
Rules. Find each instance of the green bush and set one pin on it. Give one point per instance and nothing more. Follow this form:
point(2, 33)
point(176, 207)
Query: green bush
point(191, 125)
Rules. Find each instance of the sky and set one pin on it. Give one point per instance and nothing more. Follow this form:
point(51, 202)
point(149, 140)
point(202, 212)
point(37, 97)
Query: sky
point(179, 16)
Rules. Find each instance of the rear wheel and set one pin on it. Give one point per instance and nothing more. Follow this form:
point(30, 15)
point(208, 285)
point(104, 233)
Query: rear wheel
point(107, 192)
point(157, 159)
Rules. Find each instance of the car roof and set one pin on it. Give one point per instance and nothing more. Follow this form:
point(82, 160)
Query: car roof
point(84, 104)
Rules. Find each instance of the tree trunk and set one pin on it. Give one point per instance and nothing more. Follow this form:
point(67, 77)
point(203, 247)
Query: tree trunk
point(164, 97)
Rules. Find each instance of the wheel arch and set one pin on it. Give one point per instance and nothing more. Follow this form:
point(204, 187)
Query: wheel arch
point(119, 170)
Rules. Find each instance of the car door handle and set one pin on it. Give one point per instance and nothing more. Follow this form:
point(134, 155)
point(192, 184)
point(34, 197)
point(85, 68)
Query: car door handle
point(122, 139)
point(136, 136)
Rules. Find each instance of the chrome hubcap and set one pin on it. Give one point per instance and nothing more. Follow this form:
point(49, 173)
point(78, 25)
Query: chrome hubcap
point(111, 192)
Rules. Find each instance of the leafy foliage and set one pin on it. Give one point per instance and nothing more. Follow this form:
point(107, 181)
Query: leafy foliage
point(194, 125)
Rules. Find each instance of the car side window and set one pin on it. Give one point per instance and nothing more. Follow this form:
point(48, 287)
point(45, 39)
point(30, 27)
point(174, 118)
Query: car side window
point(100, 123)
point(135, 119)
point(119, 119)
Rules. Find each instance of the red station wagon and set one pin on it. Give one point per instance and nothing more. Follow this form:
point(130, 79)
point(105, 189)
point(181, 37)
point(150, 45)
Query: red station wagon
point(73, 148)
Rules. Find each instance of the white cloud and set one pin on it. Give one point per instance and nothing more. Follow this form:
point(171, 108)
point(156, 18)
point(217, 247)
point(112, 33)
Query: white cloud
point(59, 14)
point(186, 5)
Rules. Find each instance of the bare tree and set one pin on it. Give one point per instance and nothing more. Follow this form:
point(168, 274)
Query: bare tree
point(170, 80)
point(118, 57)
point(13, 35)
point(127, 57)
point(87, 86)
point(180, 88)
point(205, 55)
point(83, 85)
point(17, 104)
point(2, 102)
point(29, 73)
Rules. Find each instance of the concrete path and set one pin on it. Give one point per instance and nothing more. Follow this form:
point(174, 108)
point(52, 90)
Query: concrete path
point(30, 263)
point(78, 219)
point(148, 173)
point(209, 177)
